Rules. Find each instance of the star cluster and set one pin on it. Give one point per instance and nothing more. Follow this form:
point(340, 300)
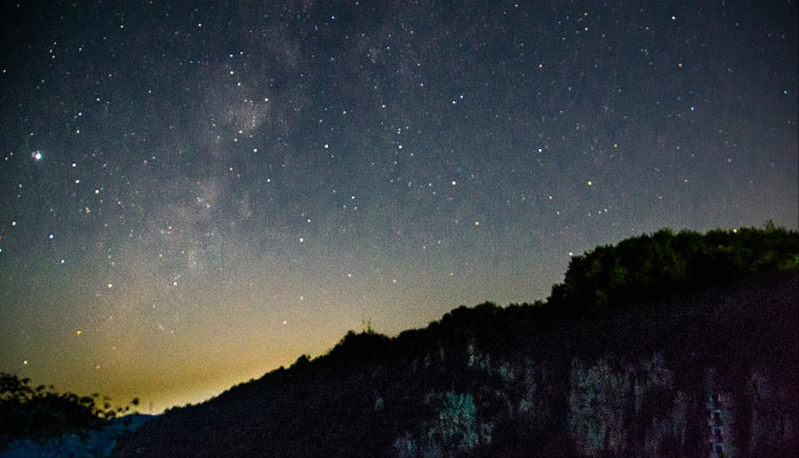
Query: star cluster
point(192, 196)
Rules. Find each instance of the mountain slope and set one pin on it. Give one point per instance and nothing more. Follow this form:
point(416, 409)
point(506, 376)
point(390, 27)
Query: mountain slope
point(699, 362)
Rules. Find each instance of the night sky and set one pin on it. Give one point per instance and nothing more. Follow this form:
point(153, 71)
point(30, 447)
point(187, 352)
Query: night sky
point(192, 196)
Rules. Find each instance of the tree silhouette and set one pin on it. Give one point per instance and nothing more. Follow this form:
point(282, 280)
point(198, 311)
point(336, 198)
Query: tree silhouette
point(39, 413)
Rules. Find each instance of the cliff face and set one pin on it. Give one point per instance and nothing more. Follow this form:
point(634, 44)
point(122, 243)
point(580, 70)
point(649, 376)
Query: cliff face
point(621, 409)
point(638, 409)
point(711, 389)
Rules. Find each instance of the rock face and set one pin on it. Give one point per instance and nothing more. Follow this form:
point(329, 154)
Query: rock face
point(617, 408)
point(710, 373)
point(639, 409)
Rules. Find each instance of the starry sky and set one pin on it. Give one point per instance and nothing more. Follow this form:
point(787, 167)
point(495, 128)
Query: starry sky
point(192, 196)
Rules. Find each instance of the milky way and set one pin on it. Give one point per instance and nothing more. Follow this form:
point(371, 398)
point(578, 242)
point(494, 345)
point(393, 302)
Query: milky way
point(190, 197)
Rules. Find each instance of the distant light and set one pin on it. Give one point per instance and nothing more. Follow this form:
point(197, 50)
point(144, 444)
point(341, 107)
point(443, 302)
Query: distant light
point(37, 155)
point(78, 332)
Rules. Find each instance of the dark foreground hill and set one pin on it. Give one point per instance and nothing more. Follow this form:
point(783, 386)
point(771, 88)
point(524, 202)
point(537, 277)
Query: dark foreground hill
point(664, 346)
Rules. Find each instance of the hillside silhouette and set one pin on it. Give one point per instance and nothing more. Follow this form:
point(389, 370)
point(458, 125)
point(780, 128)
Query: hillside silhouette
point(664, 345)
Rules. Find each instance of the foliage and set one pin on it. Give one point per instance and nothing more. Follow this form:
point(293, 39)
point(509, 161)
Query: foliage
point(609, 276)
point(38, 413)
point(359, 348)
